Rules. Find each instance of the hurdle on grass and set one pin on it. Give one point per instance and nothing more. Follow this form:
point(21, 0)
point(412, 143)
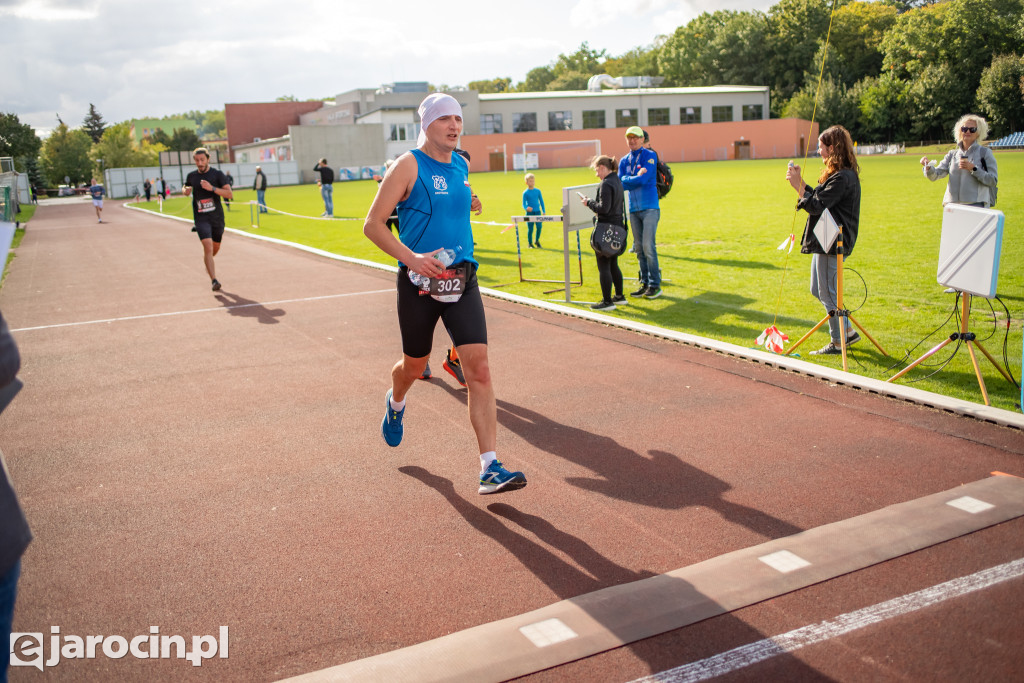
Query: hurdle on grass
point(575, 217)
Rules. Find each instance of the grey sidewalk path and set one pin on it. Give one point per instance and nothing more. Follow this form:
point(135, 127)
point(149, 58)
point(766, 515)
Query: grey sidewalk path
point(202, 459)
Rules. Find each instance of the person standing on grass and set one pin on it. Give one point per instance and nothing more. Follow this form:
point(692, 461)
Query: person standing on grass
point(430, 187)
point(326, 185)
point(838, 191)
point(97, 192)
point(609, 207)
point(638, 172)
point(260, 185)
point(147, 187)
point(207, 186)
point(971, 166)
point(231, 182)
point(533, 203)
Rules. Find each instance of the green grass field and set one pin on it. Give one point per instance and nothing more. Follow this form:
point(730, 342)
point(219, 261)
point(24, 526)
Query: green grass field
point(723, 276)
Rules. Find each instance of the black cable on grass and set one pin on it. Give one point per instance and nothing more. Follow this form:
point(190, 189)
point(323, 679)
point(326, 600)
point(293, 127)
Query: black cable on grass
point(906, 356)
point(1006, 340)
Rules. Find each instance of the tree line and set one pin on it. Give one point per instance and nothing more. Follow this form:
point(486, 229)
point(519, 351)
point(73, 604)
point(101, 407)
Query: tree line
point(79, 154)
point(888, 71)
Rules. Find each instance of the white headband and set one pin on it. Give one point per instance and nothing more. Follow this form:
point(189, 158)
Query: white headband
point(434, 107)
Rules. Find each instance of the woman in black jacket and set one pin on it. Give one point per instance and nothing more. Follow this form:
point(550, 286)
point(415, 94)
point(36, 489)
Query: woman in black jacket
point(609, 209)
point(838, 191)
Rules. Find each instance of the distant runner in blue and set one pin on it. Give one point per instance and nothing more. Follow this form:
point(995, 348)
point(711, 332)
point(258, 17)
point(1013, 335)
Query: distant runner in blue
point(97, 192)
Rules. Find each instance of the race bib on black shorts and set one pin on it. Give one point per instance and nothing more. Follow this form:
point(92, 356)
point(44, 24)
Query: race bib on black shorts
point(449, 286)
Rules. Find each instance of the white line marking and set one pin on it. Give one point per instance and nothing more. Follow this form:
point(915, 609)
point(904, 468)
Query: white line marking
point(768, 648)
point(201, 310)
point(784, 561)
point(972, 505)
point(548, 632)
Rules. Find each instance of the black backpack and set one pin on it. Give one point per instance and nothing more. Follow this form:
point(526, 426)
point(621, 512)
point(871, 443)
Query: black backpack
point(665, 178)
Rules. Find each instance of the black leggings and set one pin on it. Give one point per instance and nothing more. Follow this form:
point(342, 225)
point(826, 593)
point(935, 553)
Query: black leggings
point(608, 270)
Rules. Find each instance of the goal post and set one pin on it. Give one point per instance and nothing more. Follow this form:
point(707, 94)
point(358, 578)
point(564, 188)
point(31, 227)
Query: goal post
point(561, 154)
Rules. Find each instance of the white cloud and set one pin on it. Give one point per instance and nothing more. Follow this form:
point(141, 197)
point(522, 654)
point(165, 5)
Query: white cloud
point(135, 60)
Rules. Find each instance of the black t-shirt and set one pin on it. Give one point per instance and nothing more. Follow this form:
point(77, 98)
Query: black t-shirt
point(326, 174)
point(204, 202)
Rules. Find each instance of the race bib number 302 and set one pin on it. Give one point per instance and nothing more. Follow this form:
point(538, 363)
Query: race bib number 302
point(449, 285)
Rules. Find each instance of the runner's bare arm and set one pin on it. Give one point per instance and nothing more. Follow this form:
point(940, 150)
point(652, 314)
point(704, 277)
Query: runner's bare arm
point(396, 186)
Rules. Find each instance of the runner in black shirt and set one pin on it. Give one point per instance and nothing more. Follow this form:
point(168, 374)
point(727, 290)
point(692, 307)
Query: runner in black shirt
point(207, 186)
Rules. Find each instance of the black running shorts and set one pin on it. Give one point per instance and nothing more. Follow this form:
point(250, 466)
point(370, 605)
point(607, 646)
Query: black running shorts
point(211, 226)
point(418, 315)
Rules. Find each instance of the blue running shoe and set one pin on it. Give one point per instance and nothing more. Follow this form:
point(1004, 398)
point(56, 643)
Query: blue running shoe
point(496, 479)
point(391, 427)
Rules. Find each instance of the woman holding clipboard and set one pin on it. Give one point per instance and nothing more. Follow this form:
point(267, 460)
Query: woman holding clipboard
point(838, 191)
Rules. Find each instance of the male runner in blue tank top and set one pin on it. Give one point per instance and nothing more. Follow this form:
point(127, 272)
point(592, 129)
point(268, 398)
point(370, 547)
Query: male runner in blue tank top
point(430, 187)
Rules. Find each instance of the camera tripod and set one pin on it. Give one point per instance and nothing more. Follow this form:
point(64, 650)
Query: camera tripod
point(966, 336)
point(839, 311)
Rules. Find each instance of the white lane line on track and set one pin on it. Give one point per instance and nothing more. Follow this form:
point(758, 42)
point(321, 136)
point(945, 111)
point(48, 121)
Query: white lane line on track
point(763, 650)
point(201, 310)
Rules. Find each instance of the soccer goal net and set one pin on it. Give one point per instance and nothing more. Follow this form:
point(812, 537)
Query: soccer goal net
point(567, 154)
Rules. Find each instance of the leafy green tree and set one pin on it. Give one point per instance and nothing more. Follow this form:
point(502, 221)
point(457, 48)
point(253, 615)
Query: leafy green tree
point(935, 100)
point(1000, 94)
point(94, 124)
point(570, 80)
point(835, 106)
point(883, 115)
point(796, 27)
point(213, 125)
point(66, 154)
point(492, 86)
point(116, 148)
point(583, 61)
point(159, 137)
point(184, 140)
point(18, 140)
point(537, 80)
point(640, 61)
point(857, 32)
point(685, 59)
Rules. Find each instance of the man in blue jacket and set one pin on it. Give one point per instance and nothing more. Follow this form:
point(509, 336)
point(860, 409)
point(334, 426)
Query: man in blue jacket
point(638, 172)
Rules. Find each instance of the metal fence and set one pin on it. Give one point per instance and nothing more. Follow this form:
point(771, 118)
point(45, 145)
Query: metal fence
point(122, 183)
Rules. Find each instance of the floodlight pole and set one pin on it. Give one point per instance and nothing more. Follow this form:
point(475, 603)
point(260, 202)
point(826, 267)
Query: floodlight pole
point(968, 338)
point(840, 311)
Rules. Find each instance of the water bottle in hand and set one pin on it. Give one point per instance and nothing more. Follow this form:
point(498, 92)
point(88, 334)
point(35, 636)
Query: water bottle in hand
point(445, 256)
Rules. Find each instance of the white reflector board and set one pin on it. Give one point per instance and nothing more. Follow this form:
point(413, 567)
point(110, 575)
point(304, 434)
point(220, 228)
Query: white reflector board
point(972, 238)
point(826, 230)
point(574, 213)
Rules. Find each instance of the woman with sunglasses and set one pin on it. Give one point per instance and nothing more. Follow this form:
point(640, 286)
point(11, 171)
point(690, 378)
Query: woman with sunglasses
point(971, 167)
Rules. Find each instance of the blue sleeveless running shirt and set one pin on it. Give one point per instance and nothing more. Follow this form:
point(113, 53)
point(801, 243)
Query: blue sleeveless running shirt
point(436, 214)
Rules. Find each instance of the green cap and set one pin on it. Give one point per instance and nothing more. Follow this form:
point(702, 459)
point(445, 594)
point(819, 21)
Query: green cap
point(635, 131)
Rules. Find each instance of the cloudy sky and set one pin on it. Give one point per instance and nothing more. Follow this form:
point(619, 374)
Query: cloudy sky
point(137, 59)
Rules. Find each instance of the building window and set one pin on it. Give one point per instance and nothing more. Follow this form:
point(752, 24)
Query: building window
point(403, 131)
point(559, 120)
point(753, 112)
point(657, 117)
point(524, 123)
point(689, 114)
point(624, 118)
point(593, 119)
point(723, 113)
point(490, 123)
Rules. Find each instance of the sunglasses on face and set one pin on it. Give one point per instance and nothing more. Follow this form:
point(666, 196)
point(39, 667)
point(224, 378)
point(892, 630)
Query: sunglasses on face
point(968, 129)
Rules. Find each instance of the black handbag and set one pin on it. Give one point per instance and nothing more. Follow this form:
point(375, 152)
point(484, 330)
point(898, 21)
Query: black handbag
point(608, 240)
